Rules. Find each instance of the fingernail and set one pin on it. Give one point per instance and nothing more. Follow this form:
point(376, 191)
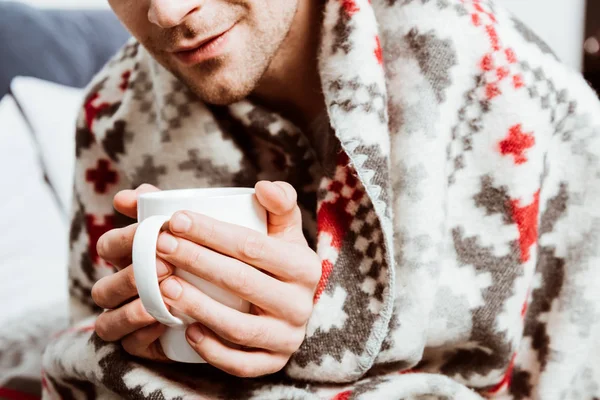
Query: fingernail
point(161, 268)
point(181, 223)
point(166, 243)
point(194, 333)
point(171, 288)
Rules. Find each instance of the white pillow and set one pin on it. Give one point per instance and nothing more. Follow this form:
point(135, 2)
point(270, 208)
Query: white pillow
point(51, 110)
point(33, 250)
point(34, 245)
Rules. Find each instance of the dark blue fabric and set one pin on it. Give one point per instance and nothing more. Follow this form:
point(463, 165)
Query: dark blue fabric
point(63, 46)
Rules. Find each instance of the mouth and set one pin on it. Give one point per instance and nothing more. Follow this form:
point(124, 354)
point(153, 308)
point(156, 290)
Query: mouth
point(207, 48)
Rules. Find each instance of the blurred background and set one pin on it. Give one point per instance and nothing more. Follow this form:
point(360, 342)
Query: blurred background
point(49, 50)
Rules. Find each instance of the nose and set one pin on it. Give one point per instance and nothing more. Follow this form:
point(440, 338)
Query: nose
point(170, 13)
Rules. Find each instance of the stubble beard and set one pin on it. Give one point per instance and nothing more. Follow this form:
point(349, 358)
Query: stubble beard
point(224, 80)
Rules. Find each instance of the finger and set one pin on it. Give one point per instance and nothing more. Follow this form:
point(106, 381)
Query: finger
point(115, 324)
point(250, 330)
point(113, 290)
point(115, 245)
point(238, 277)
point(284, 216)
point(241, 363)
point(125, 201)
point(144, 343)
point(291, 262)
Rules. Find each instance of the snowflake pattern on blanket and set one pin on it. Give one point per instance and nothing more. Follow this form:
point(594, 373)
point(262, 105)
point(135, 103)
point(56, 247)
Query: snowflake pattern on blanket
point(457, 222)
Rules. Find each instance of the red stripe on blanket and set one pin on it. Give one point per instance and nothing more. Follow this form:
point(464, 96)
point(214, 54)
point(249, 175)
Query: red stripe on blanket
point(342, 395)
point(81, 329)
point(526, 218)
point(335, 215)
point(505, 382)
point(92, 111)
point(11, 394)
point(326, 268)
point(350, 7)
point(378, 52)
point(95, 230)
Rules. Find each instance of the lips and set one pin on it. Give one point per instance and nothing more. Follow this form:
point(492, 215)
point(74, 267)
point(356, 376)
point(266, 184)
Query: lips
point(205, 49)
point(198, 44)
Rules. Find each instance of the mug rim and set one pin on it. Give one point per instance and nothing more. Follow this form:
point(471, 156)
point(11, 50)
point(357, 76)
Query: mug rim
point(200, 192)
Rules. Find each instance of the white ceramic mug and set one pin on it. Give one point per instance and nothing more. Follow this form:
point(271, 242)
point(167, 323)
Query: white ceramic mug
point(234, 205)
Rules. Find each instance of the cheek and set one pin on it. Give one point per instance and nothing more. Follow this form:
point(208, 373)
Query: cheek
point(275, 16)
point(121, 8)
point(133, 14)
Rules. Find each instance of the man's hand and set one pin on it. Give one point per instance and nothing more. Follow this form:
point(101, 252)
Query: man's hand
point(277, 273)
point(126, 319)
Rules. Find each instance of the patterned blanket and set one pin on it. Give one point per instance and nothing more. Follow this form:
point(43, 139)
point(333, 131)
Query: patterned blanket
point(456, 222)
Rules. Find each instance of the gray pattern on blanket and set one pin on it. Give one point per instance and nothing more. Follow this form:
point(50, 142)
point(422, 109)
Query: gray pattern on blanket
point(22, 342)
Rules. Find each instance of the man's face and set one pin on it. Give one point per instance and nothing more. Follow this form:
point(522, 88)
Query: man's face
point(219, 48)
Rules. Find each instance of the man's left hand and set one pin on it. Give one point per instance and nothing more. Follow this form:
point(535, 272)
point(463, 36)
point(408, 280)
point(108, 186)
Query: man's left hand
point(277, 273)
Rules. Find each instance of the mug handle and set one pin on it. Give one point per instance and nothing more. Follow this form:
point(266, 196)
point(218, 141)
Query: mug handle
point(144, 270)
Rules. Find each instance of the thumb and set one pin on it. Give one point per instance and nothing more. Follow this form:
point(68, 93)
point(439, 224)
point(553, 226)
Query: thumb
point(125, 201)
point(283, 214)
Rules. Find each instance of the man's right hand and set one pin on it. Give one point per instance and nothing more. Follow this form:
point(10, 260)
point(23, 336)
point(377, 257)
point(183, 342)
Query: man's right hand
point(126, 320)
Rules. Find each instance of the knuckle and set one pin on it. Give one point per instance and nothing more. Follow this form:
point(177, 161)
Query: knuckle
point(258, 335)
point(99, 294)
point(278, 364)
point(302, 312)
point(135, 314)
point(102, 247)
point(195, 257)
point(101, 328)
point(135, 345)
point(241, 281)
point(253, 246)
point(124, 236)
point(312, 273)
point(129, 281)
point(155, 351)
point(207, 235)
point(243, 370)
point(194, 309)
point(238, 336)
point(142, 314)
point(129, 347)
point(251, 336)
point(294, 341)
point(129, 315)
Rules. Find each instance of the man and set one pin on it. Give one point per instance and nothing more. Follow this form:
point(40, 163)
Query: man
point(430, 173)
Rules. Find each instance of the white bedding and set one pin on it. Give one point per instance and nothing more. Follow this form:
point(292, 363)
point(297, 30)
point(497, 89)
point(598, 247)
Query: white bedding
point(33, 224)
point(34, 232)
point(51, 110)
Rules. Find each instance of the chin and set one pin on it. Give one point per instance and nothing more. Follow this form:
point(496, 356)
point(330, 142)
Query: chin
point(220, 89)
point(221, 81)
point(222, 96)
